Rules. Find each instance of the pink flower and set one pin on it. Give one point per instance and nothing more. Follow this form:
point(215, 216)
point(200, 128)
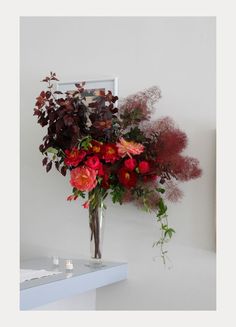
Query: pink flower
point(83, 178)
point(144, 167)
point(129, 148)
point(130, 164)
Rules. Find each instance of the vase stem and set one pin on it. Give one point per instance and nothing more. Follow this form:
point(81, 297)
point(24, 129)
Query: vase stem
point(96, 223)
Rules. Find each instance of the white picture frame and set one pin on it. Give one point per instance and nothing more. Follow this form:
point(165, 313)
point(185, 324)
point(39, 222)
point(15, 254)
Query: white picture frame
point(109, 84)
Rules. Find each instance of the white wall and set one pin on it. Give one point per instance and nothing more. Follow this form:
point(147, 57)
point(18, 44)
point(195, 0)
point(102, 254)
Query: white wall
point(177, 54)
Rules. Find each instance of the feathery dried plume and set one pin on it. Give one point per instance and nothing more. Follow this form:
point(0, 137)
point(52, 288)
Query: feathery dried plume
point(138, 107)
point(185, 168)
point(172, 191)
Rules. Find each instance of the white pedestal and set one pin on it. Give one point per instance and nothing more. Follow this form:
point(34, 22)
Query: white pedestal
point(84, 301)
point(67, 291)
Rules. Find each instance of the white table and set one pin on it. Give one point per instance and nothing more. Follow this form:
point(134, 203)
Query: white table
point(74, 290)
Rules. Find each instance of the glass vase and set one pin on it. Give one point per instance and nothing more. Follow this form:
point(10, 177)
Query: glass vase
point(96, 224)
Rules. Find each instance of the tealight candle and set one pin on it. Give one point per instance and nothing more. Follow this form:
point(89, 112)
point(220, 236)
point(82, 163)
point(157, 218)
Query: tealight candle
point(69, 265)
point(55, 260)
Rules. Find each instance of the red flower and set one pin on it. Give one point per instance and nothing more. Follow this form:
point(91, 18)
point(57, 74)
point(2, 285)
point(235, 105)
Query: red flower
point(74, 157)
point(96, 146)
point(72, 197)
point(93, 162)
point(144, 167)
point(127, 178)
point(130, 164)
point(86, 204)
point(83, 178)
point(101, 171)
point(109, 152)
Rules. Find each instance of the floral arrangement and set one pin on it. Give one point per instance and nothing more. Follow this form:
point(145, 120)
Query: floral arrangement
point(118, 151)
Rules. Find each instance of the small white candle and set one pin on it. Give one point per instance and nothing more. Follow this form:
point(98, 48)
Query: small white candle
point(55, 260)
point(69, 265)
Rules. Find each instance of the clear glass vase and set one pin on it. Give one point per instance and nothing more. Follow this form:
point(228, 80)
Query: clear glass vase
point(96, 224)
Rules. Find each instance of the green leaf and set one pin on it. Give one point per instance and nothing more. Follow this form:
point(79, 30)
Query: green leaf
point(117, 193)
point(160, 190)
point(86, 142)
point(169, 232)
point(51, 150)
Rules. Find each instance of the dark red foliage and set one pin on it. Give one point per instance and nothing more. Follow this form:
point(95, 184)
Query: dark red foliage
point(44, 161)
point(48, 166)
point(63, 170)
point(169, 143)
point(185, 168)
point(69, 119)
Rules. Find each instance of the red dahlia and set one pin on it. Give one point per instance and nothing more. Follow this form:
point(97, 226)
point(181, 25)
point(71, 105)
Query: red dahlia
point(127, 178)
point(109, 152)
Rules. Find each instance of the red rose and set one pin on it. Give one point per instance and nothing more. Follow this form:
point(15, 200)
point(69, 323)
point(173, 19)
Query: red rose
point(109, 152)
point(144, 167)
point(130, 164)
point(74, 157)
point(127, 178)
point(93, 162)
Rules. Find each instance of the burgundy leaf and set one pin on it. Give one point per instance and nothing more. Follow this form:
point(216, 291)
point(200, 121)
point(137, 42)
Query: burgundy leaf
point(48, 94)
point(49, 166)
point(37, 112)
point(68, 120)
point(46, 79)
point(45, 160)
point(58, 92)
point(59, 125)
point(63, 170)
point(41, 148)
point(46, 137)
point(52, 116)
point(57, 165)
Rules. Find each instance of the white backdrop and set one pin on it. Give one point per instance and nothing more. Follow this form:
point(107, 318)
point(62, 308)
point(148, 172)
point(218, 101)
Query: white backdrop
point(178, 55)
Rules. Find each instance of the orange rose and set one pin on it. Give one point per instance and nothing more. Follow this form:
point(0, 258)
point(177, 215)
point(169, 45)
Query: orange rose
point(83, 178)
